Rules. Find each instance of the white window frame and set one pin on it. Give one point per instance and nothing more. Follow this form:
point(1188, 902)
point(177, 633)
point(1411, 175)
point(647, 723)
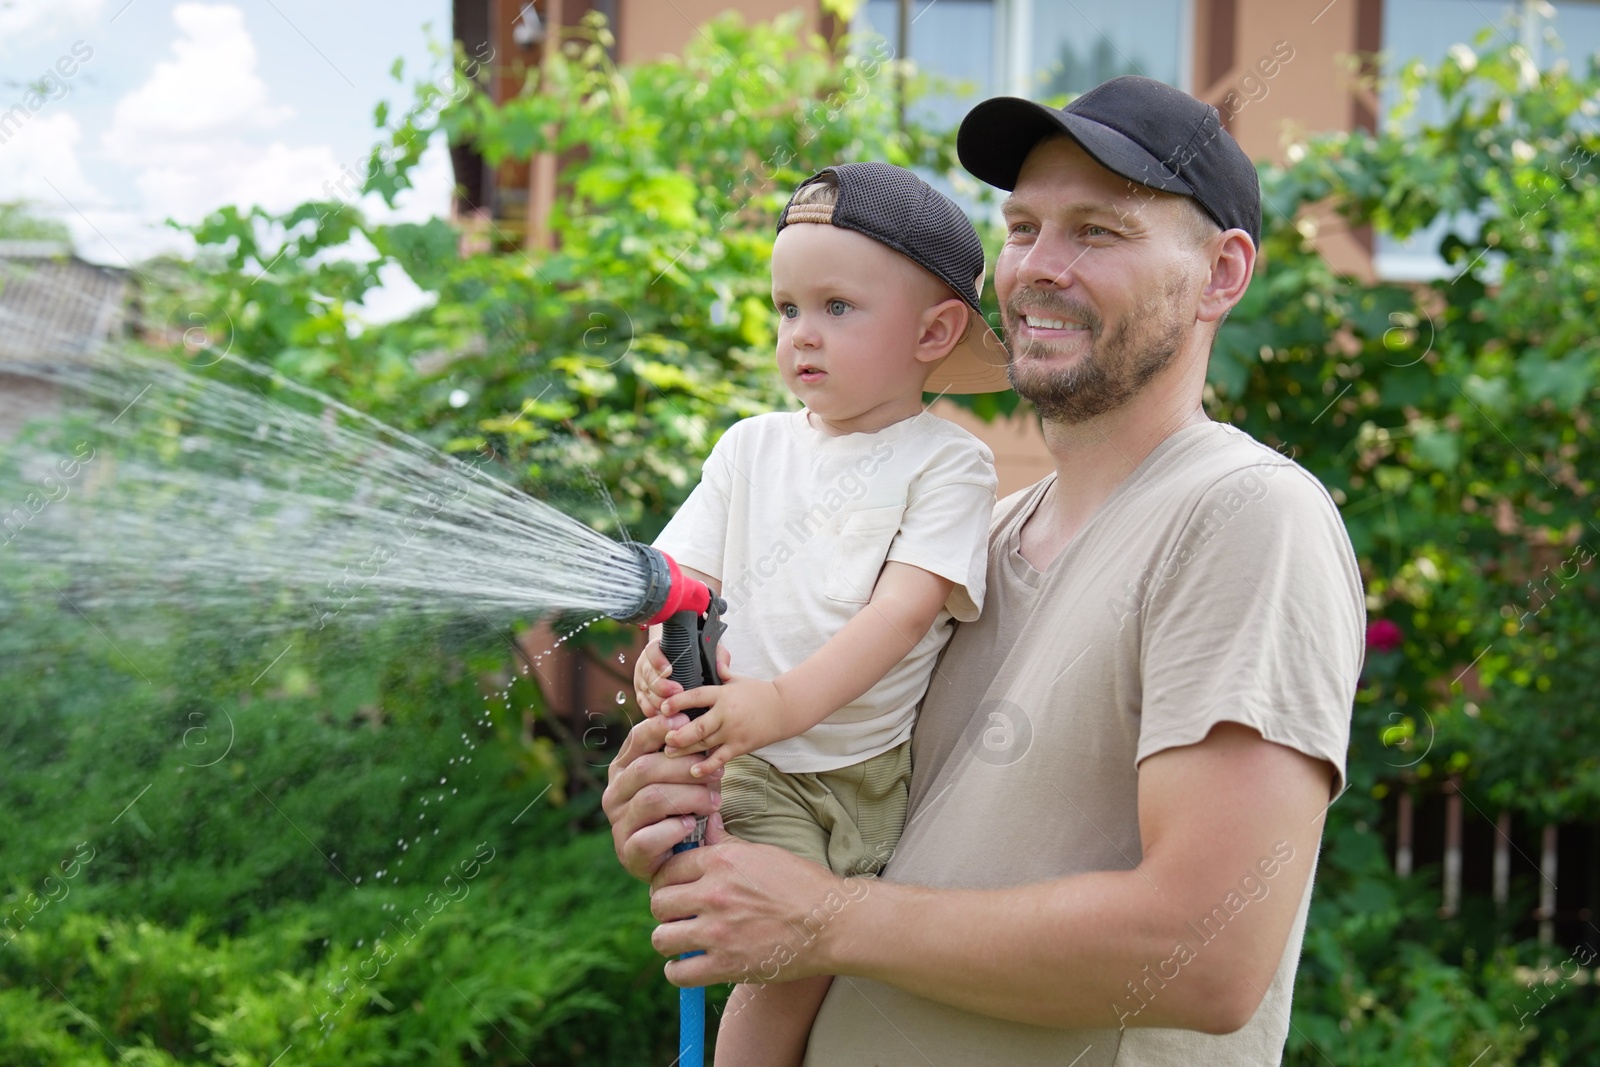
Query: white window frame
point(1013, 39)
point(1396, 264)
point(1012, 56)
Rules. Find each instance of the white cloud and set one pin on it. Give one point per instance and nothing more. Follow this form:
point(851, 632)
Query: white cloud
point(185, 132)
point(26, 19)
point(39, 161)
point(189, 181)
point(122, 238)
point(210, 89)
point(192, 137)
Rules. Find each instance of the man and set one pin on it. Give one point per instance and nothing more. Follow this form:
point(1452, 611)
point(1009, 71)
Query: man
point(1120, 770)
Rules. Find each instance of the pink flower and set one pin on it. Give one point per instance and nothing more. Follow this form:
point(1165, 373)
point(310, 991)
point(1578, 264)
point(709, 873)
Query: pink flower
point(1383, 635)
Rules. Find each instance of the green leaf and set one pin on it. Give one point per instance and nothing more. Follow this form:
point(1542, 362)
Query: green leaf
point(1493, 396)
point(1437, 448)
point(1564, 381)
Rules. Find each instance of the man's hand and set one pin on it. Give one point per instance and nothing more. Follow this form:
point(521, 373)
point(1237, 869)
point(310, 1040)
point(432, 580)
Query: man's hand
point(741, 716)
point(759, 914)
point(650, 799)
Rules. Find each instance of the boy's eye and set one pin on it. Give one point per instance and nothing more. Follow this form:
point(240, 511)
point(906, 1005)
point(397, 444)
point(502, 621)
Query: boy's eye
point(837, 307)
point(788, 311)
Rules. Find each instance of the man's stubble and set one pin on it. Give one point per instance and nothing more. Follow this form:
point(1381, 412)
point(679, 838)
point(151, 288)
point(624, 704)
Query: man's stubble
point(1118, 365)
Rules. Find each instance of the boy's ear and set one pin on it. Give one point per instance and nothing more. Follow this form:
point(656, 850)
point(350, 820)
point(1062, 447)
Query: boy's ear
point(943, 326)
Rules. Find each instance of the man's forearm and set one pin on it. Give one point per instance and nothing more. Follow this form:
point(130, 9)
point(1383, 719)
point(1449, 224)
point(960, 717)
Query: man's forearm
point(1060, 954)
point(1190, 938)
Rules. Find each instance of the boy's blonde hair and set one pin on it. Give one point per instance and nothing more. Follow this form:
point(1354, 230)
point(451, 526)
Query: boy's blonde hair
point(814, 201)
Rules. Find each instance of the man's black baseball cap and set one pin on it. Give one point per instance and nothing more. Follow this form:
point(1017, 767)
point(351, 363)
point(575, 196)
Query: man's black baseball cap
point(1142, 129)
point(896, 208)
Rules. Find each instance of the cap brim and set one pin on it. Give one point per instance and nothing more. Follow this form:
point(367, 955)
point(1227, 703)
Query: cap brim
point(997, 135)
point(976, 365)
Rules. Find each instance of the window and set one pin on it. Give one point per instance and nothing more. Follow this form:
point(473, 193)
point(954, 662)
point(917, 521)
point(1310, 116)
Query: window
point(954, 39)
point(1042, 49)
point(1077, 46)
point(1426, 30)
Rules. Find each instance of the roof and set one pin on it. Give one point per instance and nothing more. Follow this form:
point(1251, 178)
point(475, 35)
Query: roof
point(54, 307)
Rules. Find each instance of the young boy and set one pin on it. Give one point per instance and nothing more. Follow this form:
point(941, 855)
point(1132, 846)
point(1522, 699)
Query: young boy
point(845, 537)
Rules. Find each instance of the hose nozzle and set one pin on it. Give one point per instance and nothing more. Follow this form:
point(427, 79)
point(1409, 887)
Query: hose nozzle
point(667, 589)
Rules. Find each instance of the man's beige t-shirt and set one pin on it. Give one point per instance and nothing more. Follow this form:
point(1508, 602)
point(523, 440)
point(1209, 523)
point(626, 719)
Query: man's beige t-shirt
point(1215, 584)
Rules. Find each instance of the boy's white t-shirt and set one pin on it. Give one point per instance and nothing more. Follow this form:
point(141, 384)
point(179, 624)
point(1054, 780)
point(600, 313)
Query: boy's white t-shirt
point(797, 524)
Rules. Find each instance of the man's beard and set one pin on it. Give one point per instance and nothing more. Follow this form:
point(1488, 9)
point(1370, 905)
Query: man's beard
point(1116, 367)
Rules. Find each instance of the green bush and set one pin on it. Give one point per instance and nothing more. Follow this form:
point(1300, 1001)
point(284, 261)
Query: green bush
point(218, 898)
point(1452, 422)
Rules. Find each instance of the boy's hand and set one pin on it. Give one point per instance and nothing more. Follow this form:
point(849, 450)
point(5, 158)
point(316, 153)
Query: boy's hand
point(652, 683)
point(742, 715)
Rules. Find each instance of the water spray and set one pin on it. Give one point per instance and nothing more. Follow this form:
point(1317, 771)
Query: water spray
point(690, 615)
point(167, 489)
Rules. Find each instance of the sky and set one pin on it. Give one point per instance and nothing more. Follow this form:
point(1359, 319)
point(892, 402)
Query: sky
point(156, 109)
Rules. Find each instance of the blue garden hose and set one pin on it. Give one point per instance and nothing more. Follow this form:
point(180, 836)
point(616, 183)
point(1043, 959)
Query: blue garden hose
point(691, 627)
point(691, 999)
point(689, 641)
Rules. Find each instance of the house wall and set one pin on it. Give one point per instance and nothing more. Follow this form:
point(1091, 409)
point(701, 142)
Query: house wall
point(1314, 92)
point(649, 29)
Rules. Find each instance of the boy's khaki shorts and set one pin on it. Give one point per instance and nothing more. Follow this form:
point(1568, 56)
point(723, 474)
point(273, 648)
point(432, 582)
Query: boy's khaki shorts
point(848, 820)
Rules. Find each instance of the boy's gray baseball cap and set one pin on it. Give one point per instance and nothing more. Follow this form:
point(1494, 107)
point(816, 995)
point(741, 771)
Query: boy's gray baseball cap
point(896, 208)
point(1144, 130)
